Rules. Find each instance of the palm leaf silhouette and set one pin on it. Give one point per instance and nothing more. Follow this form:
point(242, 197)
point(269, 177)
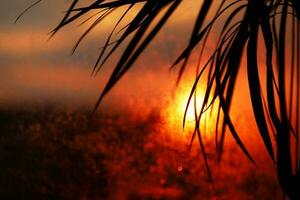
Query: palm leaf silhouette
point(244, 22)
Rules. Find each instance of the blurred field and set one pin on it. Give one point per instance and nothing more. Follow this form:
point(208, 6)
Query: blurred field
point(48, 152)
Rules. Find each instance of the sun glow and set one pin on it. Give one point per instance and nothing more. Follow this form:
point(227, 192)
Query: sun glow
point(174, 114)
point(192, 109)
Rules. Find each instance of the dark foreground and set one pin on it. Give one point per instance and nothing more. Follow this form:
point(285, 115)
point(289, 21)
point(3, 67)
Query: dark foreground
point(59, 153)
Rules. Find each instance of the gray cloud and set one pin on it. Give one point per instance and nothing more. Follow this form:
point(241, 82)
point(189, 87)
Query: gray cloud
point(23, 48)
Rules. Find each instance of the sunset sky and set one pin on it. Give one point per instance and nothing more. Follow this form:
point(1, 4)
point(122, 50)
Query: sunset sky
point(37, 70)
point(33, 68)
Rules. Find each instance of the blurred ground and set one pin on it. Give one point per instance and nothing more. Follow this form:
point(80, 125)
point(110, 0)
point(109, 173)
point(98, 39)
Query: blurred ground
point(52, 152)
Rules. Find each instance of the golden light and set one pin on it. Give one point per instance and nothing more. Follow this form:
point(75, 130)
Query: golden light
point(174, 114)
point(193, 108)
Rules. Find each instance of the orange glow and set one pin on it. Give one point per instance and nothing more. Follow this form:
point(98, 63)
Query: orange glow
point(174, 114)
point(182, 101)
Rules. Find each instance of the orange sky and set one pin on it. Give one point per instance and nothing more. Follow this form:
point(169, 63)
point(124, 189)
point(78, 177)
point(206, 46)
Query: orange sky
point(32, 67)
point(36, 70)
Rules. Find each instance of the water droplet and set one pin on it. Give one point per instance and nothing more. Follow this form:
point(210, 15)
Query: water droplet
point(179, 168)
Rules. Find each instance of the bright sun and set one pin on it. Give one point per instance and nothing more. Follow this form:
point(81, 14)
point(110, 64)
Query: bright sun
point(175, 112)
point(182, 103)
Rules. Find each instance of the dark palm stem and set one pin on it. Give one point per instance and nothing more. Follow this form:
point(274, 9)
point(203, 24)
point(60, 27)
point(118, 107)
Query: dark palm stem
point(287, 181)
